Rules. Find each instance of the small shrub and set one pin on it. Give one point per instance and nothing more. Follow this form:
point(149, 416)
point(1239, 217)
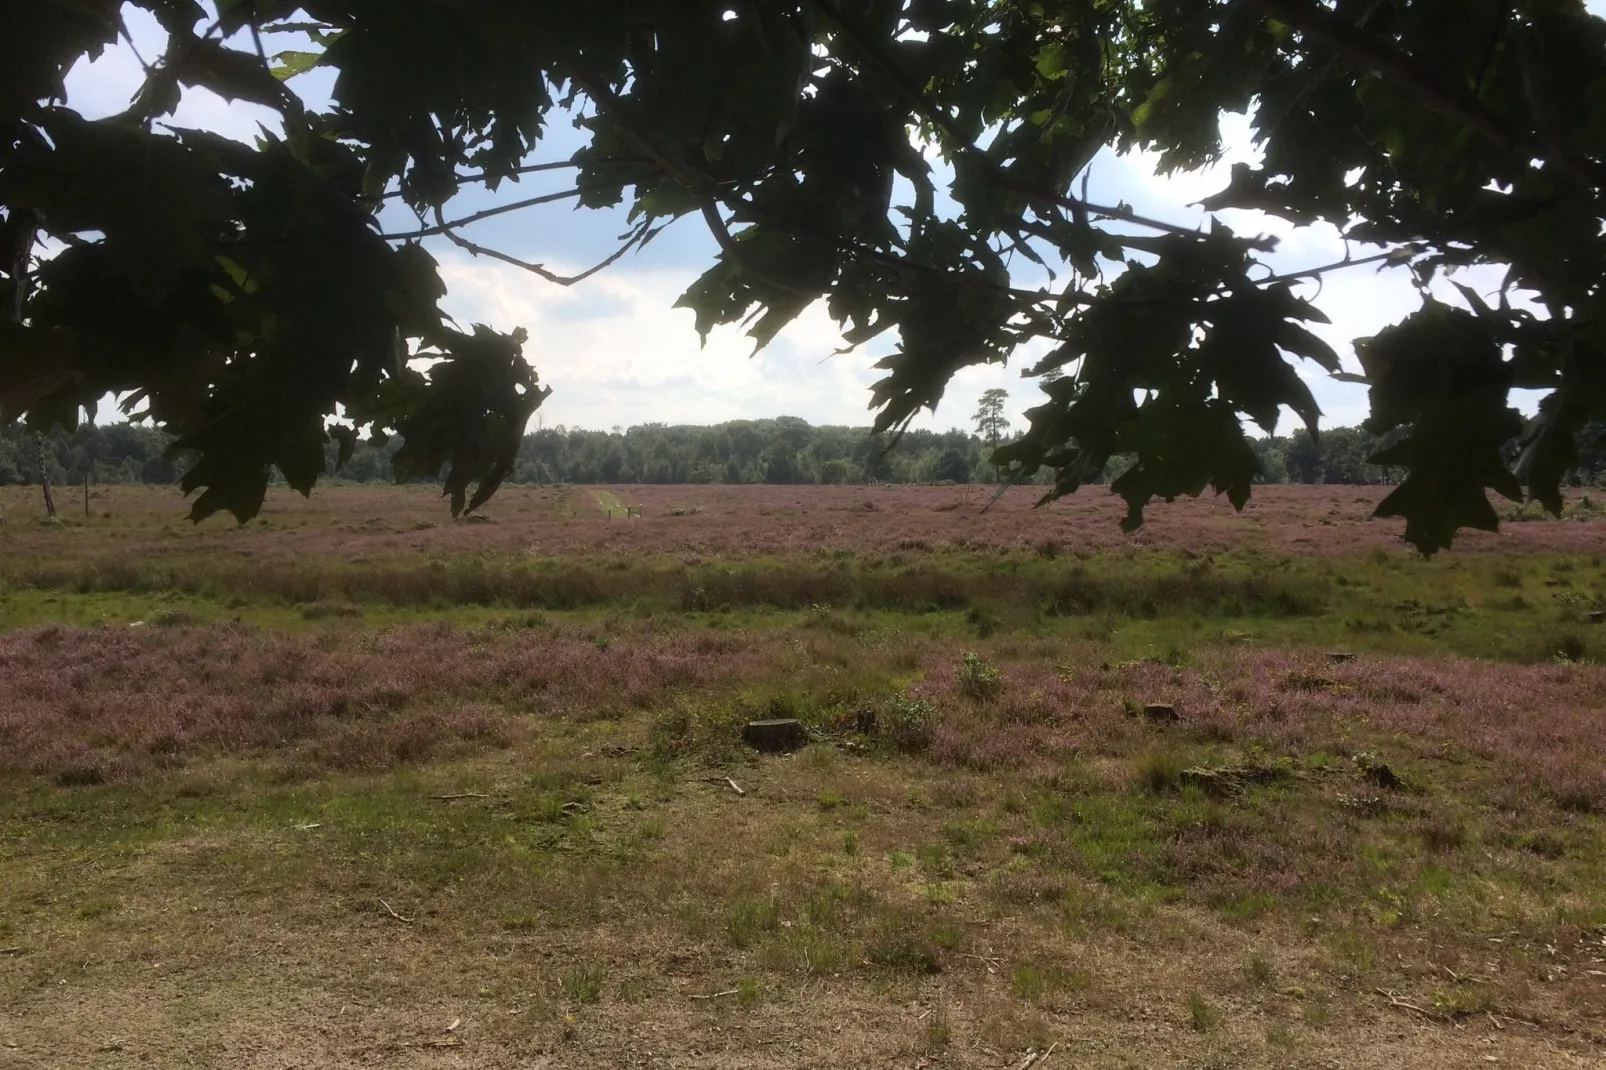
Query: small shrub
point(818, 953)
point(901, 946)
point(1029, 983)
point(1445, 834)
point(1258, 972)
point(80, 775)
point(907, 723)
point(331, 610)
point(173, 618)
point(750, 919)
point(1161, 772)
point(748, 992)
point(938, 1031)
point(1173, 654)
point(978, 679)
point(1565, 647)
point(984, 624)
point(583, 984)
point(1507, 577)
point(1201, 1015)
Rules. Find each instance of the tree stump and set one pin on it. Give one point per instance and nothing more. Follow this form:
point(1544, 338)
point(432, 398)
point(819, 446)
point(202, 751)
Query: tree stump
point(1162, 713)
point(775, 737)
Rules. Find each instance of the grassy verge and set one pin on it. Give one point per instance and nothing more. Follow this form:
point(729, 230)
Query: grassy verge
point(1524, 609)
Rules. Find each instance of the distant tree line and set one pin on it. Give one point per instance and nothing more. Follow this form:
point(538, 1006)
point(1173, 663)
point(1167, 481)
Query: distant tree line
point(782, 450)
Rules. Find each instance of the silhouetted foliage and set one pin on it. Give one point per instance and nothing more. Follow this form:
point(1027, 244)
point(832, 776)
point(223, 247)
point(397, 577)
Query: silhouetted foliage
point(243, 293)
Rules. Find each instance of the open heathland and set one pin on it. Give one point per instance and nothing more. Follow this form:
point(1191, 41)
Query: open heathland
point(356, 785)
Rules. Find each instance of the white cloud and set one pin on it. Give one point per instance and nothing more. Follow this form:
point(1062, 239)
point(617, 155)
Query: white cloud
point(616, 351)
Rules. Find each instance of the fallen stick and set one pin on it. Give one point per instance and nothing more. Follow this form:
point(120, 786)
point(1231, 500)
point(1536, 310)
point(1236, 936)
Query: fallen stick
point(1034, 1058)
point(717, 995)
point(393, 913)
point(1038, 1061)
point(461, 795)
point(10, 950)
point(449, 1042)
point(737, 788)
point(1407, 1005)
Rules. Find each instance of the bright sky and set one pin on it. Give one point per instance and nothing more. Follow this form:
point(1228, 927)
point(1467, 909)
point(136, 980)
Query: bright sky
point(617, 353)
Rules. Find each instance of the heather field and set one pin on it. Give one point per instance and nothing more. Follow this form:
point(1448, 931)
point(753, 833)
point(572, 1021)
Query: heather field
point(355, 785)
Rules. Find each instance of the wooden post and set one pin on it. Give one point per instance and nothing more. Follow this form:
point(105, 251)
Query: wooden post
point(86, 489)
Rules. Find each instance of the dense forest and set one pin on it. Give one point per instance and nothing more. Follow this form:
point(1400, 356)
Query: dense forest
point(781, 450)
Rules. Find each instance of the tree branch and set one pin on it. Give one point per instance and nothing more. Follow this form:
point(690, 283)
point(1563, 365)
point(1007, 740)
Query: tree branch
point(292, 103)
point(962, 145)
point(699, 183)
point(482, 176)
point(475, 249)
point(501, 209)
point(1321, 26)
point(1311, 273)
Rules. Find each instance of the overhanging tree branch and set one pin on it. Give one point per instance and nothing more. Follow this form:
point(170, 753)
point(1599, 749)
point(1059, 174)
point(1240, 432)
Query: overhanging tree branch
point(475, 249)
point(529, 169)
point(1321, 26)
point(442, 225)
point(963, 146)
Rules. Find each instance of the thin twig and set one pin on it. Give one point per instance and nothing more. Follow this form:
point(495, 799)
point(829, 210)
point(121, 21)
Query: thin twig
point(291, 103)
point(10, 950)
point(476, 249)
point(461, 795)
point(528, 169)
point(450, 1042)
point(393, 913)
point(122, 30)
point(718, 995)
point(1337, 265)
point(1407, 1005)
point(502, 209)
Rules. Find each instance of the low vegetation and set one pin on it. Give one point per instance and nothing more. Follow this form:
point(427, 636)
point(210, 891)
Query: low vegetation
point(1162, 820)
